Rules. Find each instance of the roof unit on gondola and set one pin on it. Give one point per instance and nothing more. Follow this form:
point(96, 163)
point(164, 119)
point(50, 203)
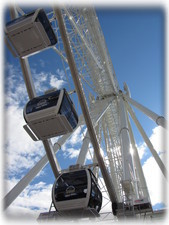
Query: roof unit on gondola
point(29, 34)
point(50, 115)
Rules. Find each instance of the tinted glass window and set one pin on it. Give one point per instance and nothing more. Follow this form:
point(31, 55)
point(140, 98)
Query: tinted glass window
point(46, 24)
point(42, 102)
point(95, 195)
point(68, 110)
point(71, 185)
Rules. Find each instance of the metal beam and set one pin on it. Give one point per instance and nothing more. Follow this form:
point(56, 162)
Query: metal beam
point(160, 120)
point(79, 91)
point(25, 64)
point(84, 149)
point(22, 184)
point(111, 162)
point(86, 140)
point(31, 92)
point(125, 141)
point(147, 141)
point(137, 164)
point(83, 39)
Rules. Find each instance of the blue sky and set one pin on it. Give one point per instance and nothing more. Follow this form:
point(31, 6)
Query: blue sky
point(135, 40)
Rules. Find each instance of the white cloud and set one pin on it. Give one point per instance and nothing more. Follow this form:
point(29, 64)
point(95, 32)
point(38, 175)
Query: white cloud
point(42, 63)
point(36, 198)
point(142, 147)
point(15, 89)
point(73, 145)
point(77, 136)
point(55, 82)
point(157, 139)
point(72, 153)
point(22, 153)
point(40, 82)
point(20, 150)
point(61, 74)
point(9, 184)
point(156, 182)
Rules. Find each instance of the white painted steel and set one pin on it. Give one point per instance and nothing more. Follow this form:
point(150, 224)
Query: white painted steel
point(22, 184)
point(148, 142)
point(160, 120)
point(100, 79)
point(79, 90)
point(141, 186)
point(31, 92)
point(125, 142)
point(96, 114)
point(84, 149)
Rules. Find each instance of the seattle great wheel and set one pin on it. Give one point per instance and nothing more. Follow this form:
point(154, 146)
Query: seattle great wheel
point(104, 116)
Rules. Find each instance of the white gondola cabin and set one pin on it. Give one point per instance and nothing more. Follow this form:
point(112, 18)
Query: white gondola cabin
point(76, 190)
point(51, 115)
point(30, 34)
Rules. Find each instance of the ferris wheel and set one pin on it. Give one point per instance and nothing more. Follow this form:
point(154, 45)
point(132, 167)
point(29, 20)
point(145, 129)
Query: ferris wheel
point(75, 35)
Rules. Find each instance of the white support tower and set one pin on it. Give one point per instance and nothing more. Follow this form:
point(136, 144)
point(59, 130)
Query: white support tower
point(105, 109)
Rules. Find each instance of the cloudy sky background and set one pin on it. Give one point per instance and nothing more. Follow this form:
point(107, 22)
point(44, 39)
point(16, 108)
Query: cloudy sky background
point(21, 153)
